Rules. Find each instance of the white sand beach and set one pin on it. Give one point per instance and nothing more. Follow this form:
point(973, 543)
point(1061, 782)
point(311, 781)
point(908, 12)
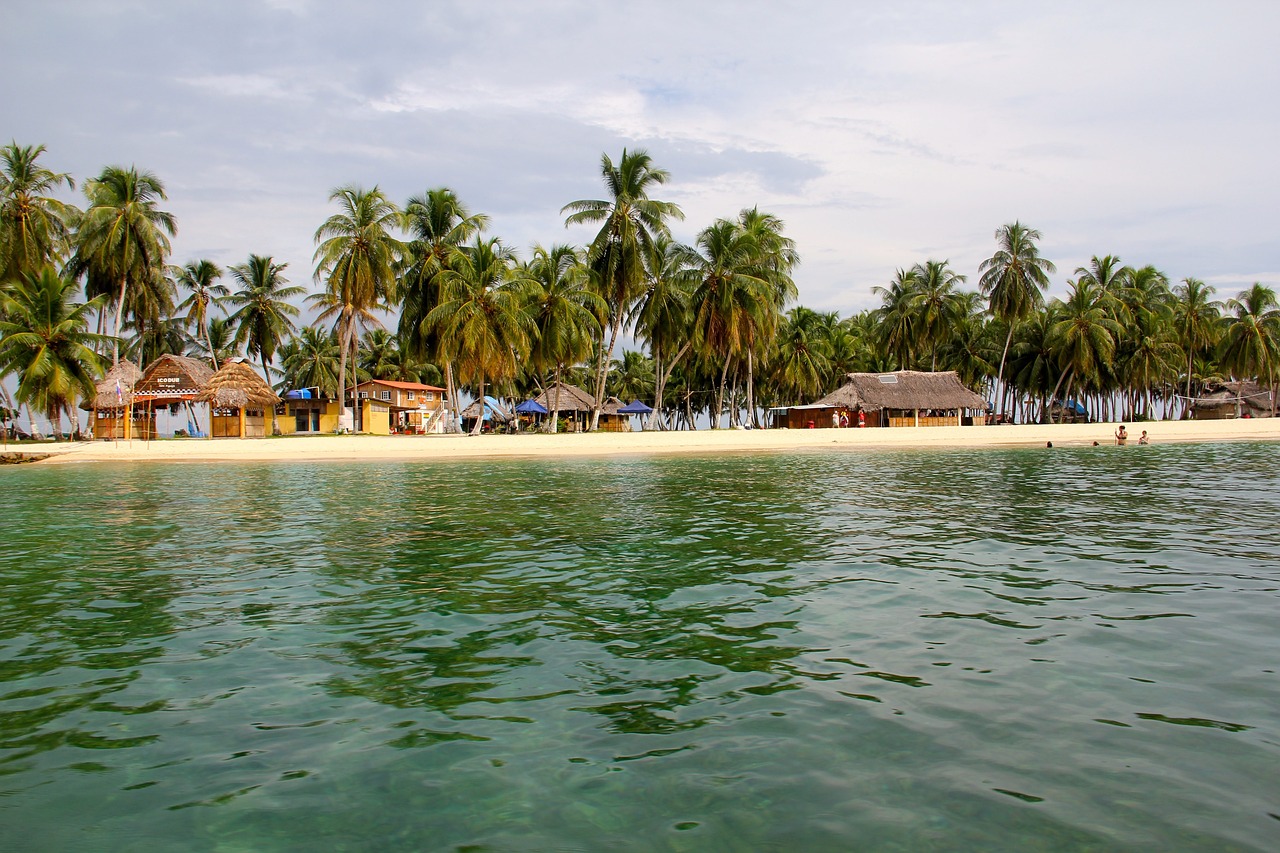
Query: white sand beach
point(447, 447)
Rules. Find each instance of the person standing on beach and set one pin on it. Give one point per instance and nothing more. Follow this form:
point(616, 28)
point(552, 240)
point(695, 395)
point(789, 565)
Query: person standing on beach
point(1122, 435)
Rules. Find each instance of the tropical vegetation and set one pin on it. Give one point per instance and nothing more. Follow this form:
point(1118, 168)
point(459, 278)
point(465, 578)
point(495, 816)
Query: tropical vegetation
point(708, 331)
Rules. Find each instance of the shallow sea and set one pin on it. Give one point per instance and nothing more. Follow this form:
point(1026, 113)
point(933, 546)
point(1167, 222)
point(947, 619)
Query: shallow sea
point(1021, 650)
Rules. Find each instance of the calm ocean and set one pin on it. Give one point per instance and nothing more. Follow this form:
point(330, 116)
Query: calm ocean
point(1031, 650)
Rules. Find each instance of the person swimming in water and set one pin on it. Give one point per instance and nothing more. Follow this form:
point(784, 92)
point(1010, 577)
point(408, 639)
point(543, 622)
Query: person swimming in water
point(1122, 435)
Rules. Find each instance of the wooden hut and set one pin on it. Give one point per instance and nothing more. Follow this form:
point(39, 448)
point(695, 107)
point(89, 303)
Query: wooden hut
point(112, 405)
point(902, 398)
point(172, 382)
point(495, 413)
point(1232, 399)
point(575, 406)
point(240, 400)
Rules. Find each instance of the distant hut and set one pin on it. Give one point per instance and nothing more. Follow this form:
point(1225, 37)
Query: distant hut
point(1232, 399)
point(494, 413)
point(172, 382)
point(901, 398)
point(111, 404)
point(575, 405)
point(239, 399)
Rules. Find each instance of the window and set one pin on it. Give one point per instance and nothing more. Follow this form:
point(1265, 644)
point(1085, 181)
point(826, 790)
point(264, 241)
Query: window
point(364, 395)
point(409, 395)
point(384, 395)
point(428, 395)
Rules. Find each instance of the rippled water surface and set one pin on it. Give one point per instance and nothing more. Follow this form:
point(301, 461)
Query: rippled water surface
point(1068, 649)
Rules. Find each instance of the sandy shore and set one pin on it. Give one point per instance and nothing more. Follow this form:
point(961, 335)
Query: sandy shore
point(447, 447)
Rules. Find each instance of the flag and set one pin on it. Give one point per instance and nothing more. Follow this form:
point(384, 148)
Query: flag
point(119, 393)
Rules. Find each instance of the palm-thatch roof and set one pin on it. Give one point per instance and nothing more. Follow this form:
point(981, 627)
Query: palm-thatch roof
point(126, 374)
point(496, 410)
point(570, 398)
point(903, 389)
point(172, 377)
point(1251, 396)
point(236, 385)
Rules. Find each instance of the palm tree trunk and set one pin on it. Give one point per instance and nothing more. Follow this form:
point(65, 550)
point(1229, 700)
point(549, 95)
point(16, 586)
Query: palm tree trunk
point(115, 337)
point(553, 425)
point(602, 369)
point(724, 374)
point(751, 397)
point(660, 391)
point(342, 375)
point(1000, 373)
point(475, 430)
point(1054, 395)
point(266, 373)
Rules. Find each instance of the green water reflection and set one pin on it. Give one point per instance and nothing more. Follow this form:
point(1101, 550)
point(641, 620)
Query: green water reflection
point(1012, 650)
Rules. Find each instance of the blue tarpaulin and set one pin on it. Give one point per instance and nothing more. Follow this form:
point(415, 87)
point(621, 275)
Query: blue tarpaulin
point(531, 407)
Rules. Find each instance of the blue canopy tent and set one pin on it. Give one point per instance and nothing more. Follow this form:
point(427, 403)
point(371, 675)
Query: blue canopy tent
point(635, 407)
point(531, 407)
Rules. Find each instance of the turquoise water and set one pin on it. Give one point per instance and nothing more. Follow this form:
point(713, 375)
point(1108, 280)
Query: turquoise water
point(1032, 650)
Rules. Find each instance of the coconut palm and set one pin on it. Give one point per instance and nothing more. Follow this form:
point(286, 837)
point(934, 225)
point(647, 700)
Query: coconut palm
point(895, 319)
point(482, 320)
point(1250, 344)
point(263, 312)
point(660, 317)
point(937, 305)
point(801, 362)
point(46, 343)
point(567, 313)
point(778, 258)
point(356, 258)
point(437, 223)
point(220, 342)
point(310, 360)
point(1013, 280)
point(732, 296)
point(201, 278)
point(35, 228)
point(629, 221)
point(1084, 335)
point(1196, 318)
point(123, 237)
point(631, 377)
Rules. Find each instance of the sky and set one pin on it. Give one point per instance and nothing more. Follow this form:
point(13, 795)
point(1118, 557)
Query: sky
point(882, 134)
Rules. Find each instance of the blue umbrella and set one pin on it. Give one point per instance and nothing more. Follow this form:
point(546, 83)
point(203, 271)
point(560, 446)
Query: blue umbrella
point(635, 407)
point(531, 407)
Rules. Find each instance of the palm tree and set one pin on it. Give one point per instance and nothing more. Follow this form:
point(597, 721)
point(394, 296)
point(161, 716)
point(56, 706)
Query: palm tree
point(262, 318)
point(220, 342)
point(778, 258)
point(123, 237)
point(566, 312)
point(631, 377)
point(661, 317)
point(732, 296)
point(310, 360)
point(937, 305)
point(1196, 318)
point(895, 319)
point(1084, 336)
point(35, 228)
point(437, 223)
point(1251, 339)
point(1013, 280)
point(45, 341)
point(482, 319)
point(801, 361)
point(629, 222)
point(357, 259)
point(201, 278)
point(379, 360)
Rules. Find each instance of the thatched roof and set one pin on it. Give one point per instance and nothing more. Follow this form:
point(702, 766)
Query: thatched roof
point(571, 398)
point(236, 385)
point(1253, 398)
point(174, 377)
point(500, 414)
point(127, 374)
point(904, 389)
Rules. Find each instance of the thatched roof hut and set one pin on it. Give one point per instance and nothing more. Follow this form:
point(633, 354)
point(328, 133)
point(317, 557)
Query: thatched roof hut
point(236, 385)
point(124, 375)
point(566, 398)
point(496, 410)
point(906, 390)
point(173, 378)
point(1232, 399)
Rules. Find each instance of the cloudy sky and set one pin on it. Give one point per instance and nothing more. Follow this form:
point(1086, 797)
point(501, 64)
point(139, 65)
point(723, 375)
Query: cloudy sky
point(883, 134)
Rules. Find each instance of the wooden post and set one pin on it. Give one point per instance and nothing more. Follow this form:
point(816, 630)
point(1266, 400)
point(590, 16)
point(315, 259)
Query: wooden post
point(242, 421)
